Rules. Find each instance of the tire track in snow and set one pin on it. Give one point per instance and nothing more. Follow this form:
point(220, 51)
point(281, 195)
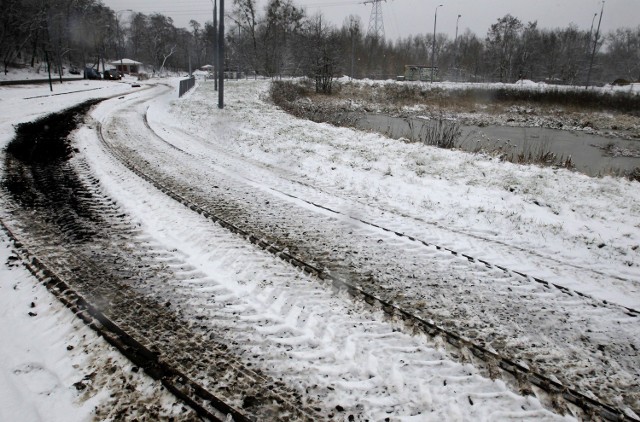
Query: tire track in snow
point(288, 325)
point(520, 288)
point(544, 266)
point(77, 236)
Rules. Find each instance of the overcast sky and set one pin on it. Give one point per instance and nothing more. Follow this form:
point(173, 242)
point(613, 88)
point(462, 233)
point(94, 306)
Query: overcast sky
point(408, 17)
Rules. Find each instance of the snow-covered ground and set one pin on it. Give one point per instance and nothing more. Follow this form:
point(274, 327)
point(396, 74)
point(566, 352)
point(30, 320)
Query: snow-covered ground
point(524, 84)
point(577, 231)
point(51, 364)
point(564, 227)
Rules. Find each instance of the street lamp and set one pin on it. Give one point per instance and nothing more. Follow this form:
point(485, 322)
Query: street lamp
point(221, 57)
point(433, 48)
point(352, 30)
point(118, 37)
point(455, 43)
point(591, 30)
point(595, 44)
point(215, 43)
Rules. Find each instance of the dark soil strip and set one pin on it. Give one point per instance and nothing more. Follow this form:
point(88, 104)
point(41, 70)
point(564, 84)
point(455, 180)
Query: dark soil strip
point(81, 243)
point(205, 404)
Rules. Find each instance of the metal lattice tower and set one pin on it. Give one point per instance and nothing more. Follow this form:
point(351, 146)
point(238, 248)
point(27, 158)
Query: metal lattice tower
point(376, 24)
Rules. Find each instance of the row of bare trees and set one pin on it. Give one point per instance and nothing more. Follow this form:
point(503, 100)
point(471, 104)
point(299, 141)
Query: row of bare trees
point(508, 52)
point(85, 32)
point(282, 40)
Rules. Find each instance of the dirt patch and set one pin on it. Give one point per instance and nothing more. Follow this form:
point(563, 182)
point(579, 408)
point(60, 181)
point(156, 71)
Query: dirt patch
point(64, 218)
point(45, 141)
point(37, 173)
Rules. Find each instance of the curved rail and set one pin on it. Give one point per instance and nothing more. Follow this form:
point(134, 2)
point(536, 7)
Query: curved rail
point(486, 359)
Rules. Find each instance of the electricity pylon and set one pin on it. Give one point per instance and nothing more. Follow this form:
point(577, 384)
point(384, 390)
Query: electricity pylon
point(376, 24)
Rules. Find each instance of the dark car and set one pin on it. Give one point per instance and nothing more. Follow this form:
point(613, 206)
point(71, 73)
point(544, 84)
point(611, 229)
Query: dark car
point(112, 74)
point(91, 73)
point(74, 70)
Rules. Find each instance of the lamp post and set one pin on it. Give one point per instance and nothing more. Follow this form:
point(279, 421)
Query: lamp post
point(352, 30)
point(455, 43)
point(591, 30)
point(433, 48)
point(118, 37)
point(215, 43)
point(595, 44)
point(238, 51)
point(221, 57)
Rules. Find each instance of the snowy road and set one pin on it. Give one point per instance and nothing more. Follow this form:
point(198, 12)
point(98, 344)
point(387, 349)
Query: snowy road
point(353, 204)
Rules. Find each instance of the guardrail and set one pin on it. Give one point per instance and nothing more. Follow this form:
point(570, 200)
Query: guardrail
point(39, 81)
point(186, 85)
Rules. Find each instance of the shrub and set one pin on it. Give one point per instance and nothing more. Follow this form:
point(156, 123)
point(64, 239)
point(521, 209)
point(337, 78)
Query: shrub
point(441, 133)
point(288, 91)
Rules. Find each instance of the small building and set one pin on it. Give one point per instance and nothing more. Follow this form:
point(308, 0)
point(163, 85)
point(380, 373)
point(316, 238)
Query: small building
point(127, 66)
point(420, 73)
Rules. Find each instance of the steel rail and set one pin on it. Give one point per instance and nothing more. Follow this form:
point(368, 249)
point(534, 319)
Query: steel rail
point(492, 361)
point(203, 402)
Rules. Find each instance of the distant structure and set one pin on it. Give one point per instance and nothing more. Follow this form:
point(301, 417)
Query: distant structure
point(420, 73)
point(128, 66)
point(376, 24)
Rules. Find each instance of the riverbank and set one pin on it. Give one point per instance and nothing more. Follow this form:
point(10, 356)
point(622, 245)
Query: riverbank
point(612, 112)
point(596, 133)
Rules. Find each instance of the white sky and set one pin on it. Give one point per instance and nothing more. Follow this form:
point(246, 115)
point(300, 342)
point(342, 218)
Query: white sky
point(406, 17)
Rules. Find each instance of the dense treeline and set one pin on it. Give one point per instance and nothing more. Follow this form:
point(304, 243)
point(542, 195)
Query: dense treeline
point(282, 40)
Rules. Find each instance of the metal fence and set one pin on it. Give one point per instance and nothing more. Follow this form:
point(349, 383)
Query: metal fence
point(185, 85)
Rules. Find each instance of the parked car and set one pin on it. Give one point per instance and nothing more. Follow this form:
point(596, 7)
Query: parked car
point(112, 74)
point(91, 73)
point(74, 70)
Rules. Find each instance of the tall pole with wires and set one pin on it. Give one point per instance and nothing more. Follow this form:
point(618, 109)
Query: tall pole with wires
point(455, 44)
point(595, 45)
point(433, 48)
point(221, 57)
point(591, 30)
point(215, 43)
point(352, 31)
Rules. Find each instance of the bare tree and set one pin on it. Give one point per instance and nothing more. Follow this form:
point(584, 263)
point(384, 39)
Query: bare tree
point(246, 15)
point(624, 51)
point(502, 39)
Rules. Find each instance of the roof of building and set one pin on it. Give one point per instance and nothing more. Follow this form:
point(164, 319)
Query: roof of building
point(124, 61)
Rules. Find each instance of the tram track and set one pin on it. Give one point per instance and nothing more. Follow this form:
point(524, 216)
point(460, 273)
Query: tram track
point(205, 404)
point(522, 376)
point(79, 244)
point(93, 240)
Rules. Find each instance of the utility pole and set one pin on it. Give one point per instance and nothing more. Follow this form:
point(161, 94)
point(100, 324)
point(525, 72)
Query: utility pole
point(238, 51)
point(455, 43)
point(215, 43)
point(591, 32)
point(46, 57)
point(433, 48)
point(595, 45)
point(221, 58)
point(352, 30)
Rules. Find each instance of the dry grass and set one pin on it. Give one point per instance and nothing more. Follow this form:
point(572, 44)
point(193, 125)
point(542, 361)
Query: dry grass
point(441, 133)
point(300, 100)
point(497, 98)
